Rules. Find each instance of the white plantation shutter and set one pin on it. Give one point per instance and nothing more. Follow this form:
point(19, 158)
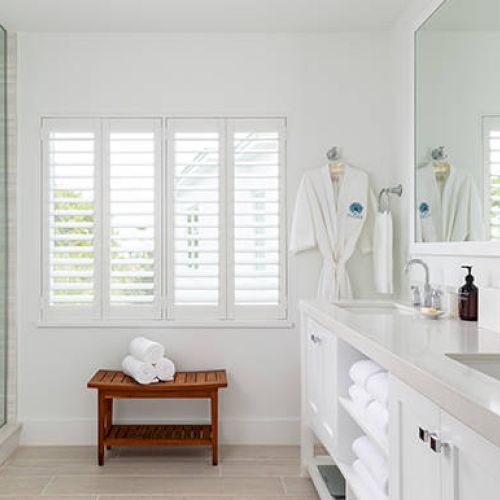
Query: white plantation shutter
point(71, 257)
point(258, 241)
point(133, 174)
point(196, 234)
point(195, 170)
point(491, 143)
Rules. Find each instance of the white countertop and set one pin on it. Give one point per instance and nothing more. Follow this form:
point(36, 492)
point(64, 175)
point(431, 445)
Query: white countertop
point(414, 350)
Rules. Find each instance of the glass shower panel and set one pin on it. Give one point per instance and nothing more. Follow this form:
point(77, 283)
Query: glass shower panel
point(3, 227)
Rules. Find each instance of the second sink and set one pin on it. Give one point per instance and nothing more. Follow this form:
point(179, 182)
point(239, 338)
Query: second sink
point(489, 364)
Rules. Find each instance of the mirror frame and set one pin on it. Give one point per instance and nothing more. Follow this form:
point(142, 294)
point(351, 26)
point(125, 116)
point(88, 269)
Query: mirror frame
point(472, 248)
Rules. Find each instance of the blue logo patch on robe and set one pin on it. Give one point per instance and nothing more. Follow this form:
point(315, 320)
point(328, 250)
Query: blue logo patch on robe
point(424, 209)
point(356, 210)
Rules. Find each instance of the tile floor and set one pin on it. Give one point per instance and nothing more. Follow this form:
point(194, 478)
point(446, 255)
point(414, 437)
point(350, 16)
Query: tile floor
point(244, 473)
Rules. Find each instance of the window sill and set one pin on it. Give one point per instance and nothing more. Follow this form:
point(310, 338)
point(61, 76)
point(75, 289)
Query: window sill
point(277, 324)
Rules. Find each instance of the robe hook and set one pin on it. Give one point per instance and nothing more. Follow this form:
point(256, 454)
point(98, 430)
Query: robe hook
point(333, 154)
point(439, 154)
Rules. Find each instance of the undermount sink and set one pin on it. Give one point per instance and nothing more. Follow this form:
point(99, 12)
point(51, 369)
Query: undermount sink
point(374, 307)
point(489, 364)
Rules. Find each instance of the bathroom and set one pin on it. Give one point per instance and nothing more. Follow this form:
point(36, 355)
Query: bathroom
point(128, 94)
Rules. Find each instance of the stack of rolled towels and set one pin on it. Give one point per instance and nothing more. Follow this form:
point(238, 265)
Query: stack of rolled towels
point(370, 392)
point(146, 362)
point(371, 468)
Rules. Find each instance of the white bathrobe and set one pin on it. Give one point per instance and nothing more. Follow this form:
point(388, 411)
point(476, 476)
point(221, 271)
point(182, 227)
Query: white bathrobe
point(456, 214)
point(333, 225)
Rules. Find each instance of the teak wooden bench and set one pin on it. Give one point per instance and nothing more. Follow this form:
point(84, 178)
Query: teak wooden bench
point(112, 384)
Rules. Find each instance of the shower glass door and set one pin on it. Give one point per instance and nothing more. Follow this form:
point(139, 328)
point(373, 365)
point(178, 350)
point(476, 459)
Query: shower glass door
point(3, 227)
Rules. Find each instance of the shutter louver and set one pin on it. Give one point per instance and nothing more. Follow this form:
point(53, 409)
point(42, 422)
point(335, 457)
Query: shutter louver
point(493, 159)
point(134, 164)
point(195, 154)
point(71, 168)
point(257, 217)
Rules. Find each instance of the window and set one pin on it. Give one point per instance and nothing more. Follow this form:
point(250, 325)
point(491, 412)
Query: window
point(71, 160)
point(196, 271)
point(491, 145)
point(196, 233)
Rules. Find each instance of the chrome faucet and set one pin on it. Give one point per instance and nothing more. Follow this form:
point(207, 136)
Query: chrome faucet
point(427, 286)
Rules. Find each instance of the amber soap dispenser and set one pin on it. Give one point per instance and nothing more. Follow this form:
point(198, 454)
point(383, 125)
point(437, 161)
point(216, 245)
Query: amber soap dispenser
point(468, 298)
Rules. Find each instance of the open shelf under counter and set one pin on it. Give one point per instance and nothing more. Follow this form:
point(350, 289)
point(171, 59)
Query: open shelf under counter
point(316, 477)
point(353, 482)
point(379, 438)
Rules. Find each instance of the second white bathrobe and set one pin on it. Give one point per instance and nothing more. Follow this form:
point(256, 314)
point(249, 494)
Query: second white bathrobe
point(335, 226)
point(455, 214)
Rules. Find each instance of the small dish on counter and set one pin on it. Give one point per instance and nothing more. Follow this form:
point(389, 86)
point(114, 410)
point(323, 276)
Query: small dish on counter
point(432, 313)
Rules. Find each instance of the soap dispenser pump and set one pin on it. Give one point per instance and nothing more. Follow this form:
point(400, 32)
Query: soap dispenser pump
point(468, 297)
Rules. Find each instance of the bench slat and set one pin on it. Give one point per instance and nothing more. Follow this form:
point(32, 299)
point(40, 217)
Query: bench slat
point(115, 379)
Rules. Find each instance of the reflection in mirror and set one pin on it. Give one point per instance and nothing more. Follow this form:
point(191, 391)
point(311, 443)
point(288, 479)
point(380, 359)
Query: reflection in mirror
point(458, 123)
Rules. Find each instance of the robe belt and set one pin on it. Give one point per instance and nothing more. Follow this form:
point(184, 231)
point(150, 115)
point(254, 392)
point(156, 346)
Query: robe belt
point(337, 273)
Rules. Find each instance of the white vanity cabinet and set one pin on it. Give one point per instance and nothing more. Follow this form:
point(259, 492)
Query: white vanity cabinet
point(436, 457)
point(432, 455)
point(320, 391)
point(415, 468)
point(470, 465)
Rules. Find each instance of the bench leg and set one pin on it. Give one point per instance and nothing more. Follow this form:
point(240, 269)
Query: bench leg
point(109, 417)
point(215, 424)
point(101, 422)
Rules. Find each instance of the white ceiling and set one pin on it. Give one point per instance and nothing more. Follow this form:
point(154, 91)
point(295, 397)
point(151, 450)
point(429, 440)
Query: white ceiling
point(198, 15)
point(465, 15)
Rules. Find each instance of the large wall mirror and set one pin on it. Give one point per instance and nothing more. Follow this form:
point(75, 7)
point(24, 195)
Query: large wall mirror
point(457, 106)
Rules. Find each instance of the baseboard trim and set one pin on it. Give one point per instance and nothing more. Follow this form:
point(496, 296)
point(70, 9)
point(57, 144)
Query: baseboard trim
point(9, 440)
point(284, 431)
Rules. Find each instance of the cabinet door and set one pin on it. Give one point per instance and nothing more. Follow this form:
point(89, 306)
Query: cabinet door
point(414, 467)
point(314, 369)
point(470, 463)
point(328, 405)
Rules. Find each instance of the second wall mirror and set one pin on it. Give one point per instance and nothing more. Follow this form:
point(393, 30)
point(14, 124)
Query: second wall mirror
point(457, 109)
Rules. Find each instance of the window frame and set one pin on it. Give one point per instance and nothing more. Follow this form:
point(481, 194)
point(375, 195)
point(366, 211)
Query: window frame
point(488, 123)
point(153, 311)
point(182, 312)
point(65, 312)
point(247, 312)
point(164, 312)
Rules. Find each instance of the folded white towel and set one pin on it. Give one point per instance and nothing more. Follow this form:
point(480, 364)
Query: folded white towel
point(146, 350)
point(362, 370)
point(359, 396)
point(374, 461)
point(382, 253)
point(365, 477)
point(378, 415)
point(141, 372)
point(165, 369)
point(378, 387)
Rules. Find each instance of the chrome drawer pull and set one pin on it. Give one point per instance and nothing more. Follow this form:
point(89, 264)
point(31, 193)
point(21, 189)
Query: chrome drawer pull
point(423, 435)
point(435, 443)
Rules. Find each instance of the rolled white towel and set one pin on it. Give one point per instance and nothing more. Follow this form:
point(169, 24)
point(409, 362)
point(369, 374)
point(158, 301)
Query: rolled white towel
point(378, 386)
point(146, 350)
point(365, 477)
point(165, 369)
point(378, 415)
point(374, 460)
point(359, 396)
point(141, 372)
point(362, 370)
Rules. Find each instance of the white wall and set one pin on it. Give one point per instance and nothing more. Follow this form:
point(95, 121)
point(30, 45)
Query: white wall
point(459, 78)
point(332, 88)
point(445, 269)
